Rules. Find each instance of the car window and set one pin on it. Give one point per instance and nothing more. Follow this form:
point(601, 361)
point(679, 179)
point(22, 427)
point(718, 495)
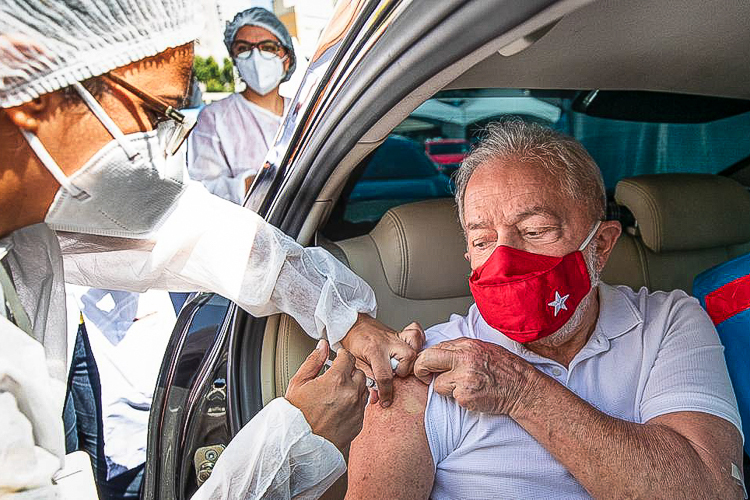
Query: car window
point(624, 148)
point(399, 158)
point(446, 147)
point(417, 160)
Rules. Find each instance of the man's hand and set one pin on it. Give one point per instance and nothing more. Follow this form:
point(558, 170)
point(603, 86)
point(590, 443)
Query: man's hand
point(480, 376)
point(373, 343)
point(334, 403)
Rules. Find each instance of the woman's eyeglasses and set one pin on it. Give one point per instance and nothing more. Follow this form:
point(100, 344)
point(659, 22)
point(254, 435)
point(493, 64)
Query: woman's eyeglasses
point(268, 49)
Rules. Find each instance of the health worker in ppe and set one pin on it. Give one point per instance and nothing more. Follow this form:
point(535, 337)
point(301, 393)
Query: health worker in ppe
point(94, 192)
point(233, 135)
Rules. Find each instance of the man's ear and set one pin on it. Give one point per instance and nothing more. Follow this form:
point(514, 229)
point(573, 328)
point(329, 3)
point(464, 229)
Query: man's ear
point(609, 232)
point(28, 115)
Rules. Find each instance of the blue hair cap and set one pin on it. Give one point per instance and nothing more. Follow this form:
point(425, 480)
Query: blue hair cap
point(258, 16)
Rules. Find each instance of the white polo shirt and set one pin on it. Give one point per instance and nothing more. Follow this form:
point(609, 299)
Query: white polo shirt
point(650, 354)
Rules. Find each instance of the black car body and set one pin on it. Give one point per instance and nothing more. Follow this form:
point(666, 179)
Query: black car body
point(377, 62)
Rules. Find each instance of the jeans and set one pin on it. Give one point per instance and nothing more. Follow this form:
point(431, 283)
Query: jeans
point(82, 416)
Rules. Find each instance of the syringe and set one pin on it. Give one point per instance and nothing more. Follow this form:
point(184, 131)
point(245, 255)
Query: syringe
point(369, 382)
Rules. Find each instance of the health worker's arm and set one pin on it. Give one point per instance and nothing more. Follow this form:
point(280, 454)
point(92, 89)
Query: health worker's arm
point(210, 244)
point(274, 456)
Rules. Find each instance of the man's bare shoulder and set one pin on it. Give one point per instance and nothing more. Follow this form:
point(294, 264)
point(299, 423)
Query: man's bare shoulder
point(403, 419)
point(391, 456)
point(410, 397)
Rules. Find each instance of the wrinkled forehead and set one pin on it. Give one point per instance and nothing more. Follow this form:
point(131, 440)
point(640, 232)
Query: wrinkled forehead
point(510, 190)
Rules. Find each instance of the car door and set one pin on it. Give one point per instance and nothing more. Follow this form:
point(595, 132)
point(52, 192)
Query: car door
point(371, 57)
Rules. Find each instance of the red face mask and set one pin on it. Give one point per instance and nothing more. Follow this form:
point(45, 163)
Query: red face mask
point(528, 296)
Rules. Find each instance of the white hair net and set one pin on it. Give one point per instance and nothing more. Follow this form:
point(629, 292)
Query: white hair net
point(46, 45)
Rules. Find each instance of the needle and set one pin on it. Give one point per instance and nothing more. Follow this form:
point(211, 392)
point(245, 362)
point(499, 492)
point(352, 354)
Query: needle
point(369, 382)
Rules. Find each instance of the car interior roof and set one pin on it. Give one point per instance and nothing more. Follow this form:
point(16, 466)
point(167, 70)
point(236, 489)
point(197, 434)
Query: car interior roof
point(693, 46)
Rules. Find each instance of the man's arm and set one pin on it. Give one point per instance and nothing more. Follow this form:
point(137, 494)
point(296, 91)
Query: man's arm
point(675, 455)
point(391, 459)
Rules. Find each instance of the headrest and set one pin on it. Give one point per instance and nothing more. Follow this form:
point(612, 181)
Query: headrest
point(422, 248)
point(687, 211)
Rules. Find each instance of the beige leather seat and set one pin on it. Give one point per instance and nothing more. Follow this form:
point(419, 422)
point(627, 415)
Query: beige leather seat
point(624, 264)
point(685, 224)
point(414, 261)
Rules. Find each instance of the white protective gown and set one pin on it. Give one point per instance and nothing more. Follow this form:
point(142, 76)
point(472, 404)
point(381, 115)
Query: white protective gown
point(206, 244)
point(229, 144)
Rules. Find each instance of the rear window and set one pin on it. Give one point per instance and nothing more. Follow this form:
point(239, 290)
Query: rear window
point(624, 149)
point(405, 167)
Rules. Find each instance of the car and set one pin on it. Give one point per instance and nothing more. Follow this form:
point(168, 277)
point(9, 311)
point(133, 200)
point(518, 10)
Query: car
point(447, 153)
point(398, 172)
point(654, 90)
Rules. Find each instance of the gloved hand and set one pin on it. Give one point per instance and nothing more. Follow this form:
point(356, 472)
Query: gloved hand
point(333, 403)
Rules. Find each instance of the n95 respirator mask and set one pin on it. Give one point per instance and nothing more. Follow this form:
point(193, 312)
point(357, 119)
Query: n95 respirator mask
point(127, 189)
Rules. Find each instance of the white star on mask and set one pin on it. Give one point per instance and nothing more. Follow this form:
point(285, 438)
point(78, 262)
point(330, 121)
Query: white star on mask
point(559, 303)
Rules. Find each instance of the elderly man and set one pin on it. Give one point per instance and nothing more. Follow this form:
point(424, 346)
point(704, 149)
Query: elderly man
point(554, 385)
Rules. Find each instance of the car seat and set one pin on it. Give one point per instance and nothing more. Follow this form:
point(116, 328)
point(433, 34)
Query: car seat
point(684, 224)
point(724, 291)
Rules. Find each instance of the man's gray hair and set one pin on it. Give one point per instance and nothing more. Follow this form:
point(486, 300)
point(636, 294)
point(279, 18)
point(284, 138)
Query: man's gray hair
point(565, 159)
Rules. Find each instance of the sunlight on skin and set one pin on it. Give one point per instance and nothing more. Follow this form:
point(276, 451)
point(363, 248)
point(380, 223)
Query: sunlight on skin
point(72, 134)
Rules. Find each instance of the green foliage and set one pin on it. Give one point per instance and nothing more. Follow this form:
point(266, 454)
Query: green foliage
point(216, 79)
point(227, 73)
